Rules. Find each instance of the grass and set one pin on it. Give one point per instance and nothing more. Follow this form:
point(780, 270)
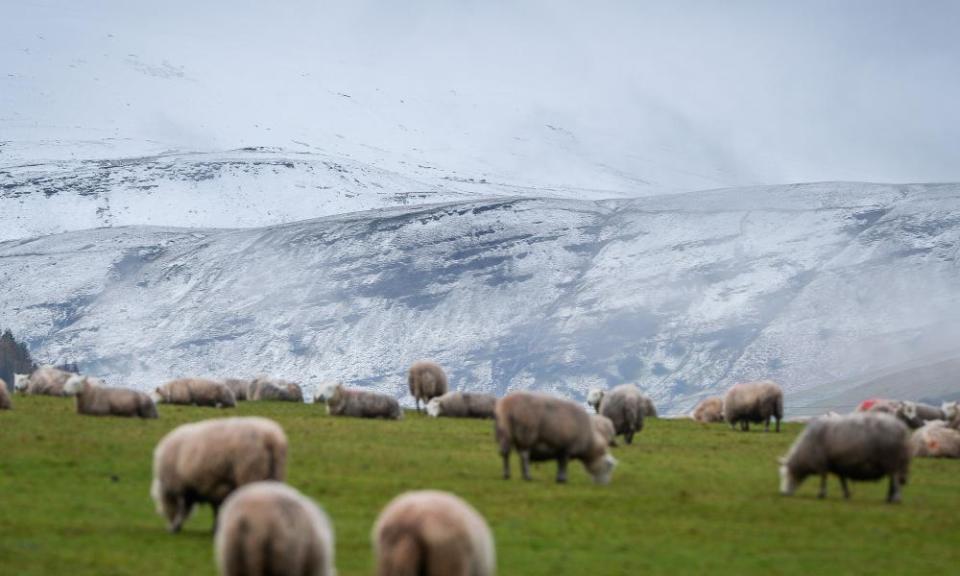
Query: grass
point(686, 498)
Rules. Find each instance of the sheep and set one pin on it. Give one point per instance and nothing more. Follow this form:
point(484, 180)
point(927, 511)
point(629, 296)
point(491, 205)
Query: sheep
point(753, 402)
point(44, 381)
point(542, 427)
point(427, 380)
point(604, 427)
point(358, 403)
point(95, 400)
point(238, 387)
point(271, 528)
point(911, 413)
point(205, 461)
point(595, 396)
point(5, 403)
point(923, 413)
point(195, 391)
point(462, 405)
point(936, 440)
point(951, 413)
point(624, 407)
point(858, 446)
point(265, 388)
point(432, 533)
point(709, 410)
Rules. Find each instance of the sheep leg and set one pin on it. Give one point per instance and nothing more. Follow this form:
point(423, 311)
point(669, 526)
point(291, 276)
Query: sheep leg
point(778, 425)
point(562, 469)
point(525, 464)
point(216, 513)
point(766, 425)
point(505, 454)
point(180, 516)
point(893, 494)
point(846, 489)
point(823, 486)
point(628, 437)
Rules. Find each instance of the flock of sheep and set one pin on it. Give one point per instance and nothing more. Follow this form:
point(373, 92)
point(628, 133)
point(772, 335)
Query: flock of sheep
point(262, 525)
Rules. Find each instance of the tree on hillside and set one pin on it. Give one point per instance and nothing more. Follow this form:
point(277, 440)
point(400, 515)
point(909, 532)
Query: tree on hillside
point(14, 358)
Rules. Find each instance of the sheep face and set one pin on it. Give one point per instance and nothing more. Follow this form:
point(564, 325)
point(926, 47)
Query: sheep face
point(788, 480)
point(950, 409)
point(433, 407)
point(601, 469)
point(325, 391)
point(20, 382)
point(75, 384)
point(594, 396)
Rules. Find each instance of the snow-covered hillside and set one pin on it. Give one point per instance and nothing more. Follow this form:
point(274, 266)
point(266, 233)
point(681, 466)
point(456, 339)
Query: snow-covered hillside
point(807, 284)
point(242, 188)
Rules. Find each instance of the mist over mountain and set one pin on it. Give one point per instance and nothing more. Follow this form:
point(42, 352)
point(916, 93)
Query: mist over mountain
point(538, 194)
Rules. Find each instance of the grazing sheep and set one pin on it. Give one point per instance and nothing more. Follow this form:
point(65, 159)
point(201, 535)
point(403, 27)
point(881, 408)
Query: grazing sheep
point(238, 386)
point(624, 406)
point(271, 528)
point(95, 400)
point(595, 397)
point(462, 405)
point(206, 461)
point(432, 533)
point(753, 402)
point(358, 403)
point(427, 380)
point(541, 427)
point(196, 391)
point(936, 440)
point(5, 403)
point(604, 427)
point(264, 388)
point(858, 446)
point(44, 381)
point(709, 410)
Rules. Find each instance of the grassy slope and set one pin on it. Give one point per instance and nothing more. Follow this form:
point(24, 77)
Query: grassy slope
point(686, 497)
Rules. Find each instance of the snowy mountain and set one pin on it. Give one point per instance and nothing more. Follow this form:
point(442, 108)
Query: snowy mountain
point(684, 294)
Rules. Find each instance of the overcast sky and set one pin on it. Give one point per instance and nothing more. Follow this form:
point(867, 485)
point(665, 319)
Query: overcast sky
point(685, 94)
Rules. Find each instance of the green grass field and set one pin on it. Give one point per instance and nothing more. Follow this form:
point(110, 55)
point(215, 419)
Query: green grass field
point(686, 498)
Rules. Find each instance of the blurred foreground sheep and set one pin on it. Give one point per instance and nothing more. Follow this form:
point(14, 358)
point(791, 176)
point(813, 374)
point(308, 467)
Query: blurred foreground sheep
point(271, 528)
point(206, 461)
point(432, 533)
